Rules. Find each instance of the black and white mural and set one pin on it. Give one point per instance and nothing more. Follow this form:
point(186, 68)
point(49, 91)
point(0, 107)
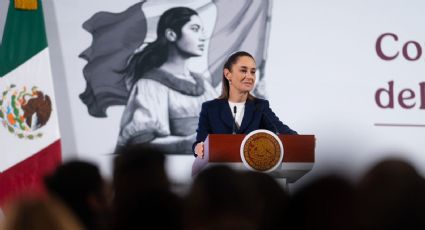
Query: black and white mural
point(143, 62)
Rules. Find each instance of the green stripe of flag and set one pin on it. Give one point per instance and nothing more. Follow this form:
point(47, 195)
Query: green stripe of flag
point(24, 36)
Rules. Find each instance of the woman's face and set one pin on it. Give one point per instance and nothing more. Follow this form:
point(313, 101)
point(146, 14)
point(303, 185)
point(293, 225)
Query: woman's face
point(192, 40)
point(241, 75)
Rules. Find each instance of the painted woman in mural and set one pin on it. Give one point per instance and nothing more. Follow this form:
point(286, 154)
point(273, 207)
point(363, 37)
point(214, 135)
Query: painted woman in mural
point(165, 98)
point(129, 64)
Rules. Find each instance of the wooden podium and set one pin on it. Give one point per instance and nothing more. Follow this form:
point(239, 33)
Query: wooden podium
point(298, 156)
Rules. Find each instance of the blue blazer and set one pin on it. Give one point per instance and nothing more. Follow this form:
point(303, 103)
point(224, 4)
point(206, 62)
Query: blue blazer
point(217, 118)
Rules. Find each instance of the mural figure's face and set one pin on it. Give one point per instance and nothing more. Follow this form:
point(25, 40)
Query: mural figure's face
point(192, 40)
point(242, 75)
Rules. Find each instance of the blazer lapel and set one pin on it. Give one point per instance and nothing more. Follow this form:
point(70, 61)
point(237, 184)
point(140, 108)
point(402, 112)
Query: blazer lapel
point(248, 115)
point(226, 113)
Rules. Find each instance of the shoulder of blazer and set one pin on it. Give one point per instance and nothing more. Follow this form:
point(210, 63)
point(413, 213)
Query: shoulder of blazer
point(260, 103)
point(214, 103)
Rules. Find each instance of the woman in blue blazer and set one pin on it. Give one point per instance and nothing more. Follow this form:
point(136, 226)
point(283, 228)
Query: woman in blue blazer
point(236, 110)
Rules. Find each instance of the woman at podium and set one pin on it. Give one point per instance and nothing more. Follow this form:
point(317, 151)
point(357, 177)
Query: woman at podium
point(236, 110)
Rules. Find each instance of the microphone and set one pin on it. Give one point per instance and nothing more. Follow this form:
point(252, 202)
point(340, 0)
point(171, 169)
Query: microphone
point(234, 120)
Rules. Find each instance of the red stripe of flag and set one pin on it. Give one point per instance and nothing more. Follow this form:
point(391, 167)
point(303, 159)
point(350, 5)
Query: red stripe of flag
point(27, 175)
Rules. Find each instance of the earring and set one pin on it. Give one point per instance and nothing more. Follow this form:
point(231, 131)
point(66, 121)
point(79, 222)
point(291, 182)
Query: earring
point(230, 81)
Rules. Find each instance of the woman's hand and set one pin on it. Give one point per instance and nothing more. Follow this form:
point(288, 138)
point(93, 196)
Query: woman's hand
point(199, 150)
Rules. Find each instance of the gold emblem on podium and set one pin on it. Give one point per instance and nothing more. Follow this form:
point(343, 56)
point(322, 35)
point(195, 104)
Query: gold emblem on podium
point(262, 150)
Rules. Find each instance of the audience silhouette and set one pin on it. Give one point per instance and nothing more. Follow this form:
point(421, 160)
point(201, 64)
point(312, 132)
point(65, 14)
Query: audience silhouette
point(38, 213)
point(143, 199)
point(80, 186)
point(391, 195)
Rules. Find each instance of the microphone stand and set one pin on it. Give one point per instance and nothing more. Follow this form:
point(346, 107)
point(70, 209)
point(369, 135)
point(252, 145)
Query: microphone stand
point(234, 120)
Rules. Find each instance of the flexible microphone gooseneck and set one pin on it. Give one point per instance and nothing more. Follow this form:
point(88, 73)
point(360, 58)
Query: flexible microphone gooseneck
point(234, 120)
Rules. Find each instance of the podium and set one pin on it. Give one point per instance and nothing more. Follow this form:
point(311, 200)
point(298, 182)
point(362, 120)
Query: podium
point(224, 149)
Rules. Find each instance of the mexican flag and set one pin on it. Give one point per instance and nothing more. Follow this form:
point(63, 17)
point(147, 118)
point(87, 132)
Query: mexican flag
point(29, 133)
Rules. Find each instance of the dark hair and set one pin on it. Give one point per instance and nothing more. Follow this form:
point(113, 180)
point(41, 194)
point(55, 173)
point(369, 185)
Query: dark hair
point(142, 193)
point(73, 182)
point(156, 53)
point(233, 58)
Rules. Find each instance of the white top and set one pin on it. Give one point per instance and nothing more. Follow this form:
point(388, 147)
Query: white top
point(240, 111)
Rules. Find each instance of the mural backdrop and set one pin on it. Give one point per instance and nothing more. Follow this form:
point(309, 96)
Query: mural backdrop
point(142, 62)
